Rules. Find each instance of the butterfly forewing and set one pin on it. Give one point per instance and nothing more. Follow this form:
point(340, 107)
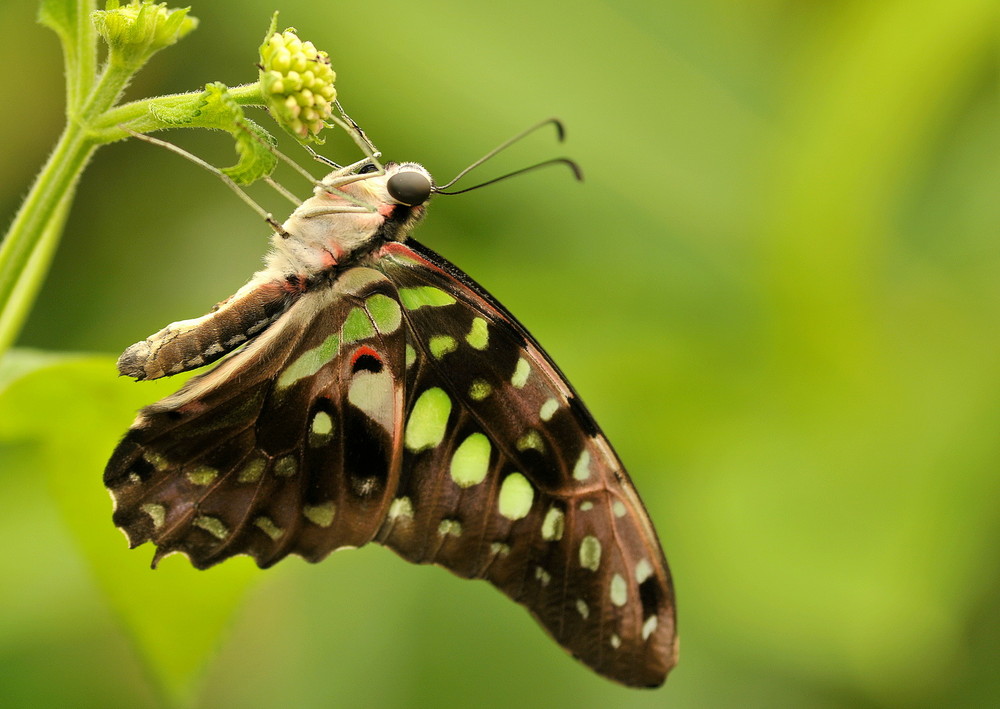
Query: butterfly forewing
point(517, 484)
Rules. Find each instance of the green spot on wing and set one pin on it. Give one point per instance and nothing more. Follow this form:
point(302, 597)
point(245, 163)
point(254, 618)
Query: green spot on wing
point(268, 527)
point(428, 420)
point(156, 460)
point(321, 515)
point(158, 513)
point(618, 590)
point(479, 335)
point(471, 461)
point(516, 496)
point(480, 389)
point(419, 296)
point(531, 440)
point(581, 471)
point(286, 466)
point(357, 326)
point(440, 345)
point(322, 423)
point(312, 360)
point(321, 429)
point(521, 372)
point(553, 525)
point(385, 312)
point(212, 525)
point(251, 472)
point(590, 553)
point(202, 475)
point(401, 508)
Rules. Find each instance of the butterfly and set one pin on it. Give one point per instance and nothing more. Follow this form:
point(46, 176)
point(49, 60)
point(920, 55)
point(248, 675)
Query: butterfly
point(369, 390)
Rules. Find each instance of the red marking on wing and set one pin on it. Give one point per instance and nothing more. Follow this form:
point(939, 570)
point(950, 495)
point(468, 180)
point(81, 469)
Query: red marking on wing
point(398, 249)
point(362, 351)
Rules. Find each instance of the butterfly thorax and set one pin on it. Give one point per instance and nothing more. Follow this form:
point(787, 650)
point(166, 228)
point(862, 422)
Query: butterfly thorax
point(322, 235)
point(330, 232)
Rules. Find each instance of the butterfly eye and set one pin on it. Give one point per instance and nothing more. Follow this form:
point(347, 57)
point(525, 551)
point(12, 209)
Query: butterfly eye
point(367, 168)
point(409, 187)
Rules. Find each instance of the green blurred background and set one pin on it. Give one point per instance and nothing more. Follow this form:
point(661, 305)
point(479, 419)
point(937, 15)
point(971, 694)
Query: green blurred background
point(778, 291)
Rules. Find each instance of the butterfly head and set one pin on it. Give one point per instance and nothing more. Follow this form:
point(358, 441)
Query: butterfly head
point(409, 184)
point(406, 184)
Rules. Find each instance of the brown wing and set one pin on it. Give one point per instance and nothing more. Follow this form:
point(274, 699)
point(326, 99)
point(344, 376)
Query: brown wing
point(289, 446)
point(507, 477)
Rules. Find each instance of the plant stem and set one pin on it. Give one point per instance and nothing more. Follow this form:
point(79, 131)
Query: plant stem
point(30, 282)
point(142, 116)
point(28, 246)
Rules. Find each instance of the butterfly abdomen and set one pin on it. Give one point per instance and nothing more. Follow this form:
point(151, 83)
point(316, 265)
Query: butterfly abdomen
point(189, 344)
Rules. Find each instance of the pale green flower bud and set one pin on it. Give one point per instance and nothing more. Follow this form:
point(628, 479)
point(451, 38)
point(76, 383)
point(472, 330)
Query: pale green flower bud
point(297, 82)
point(136, 31)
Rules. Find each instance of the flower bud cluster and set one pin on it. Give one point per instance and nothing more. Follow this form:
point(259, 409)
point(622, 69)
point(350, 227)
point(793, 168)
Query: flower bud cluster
point(297, 82)
point(136, 31)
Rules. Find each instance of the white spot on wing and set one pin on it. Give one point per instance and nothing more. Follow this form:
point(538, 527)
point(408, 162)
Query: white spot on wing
point(581, 471)
point(618, 590)
point(643, 570)
point(590, 552)
point(649, 627)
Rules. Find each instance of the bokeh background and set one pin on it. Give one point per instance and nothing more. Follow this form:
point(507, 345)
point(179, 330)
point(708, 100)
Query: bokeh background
point(778, 291)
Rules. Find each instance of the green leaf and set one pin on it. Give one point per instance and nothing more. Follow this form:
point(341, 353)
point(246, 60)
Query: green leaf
point(216, 108)
point(253, 143)
point(74, 409)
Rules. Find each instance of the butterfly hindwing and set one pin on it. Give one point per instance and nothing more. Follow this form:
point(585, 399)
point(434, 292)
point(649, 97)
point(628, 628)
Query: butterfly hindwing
point(287, 447)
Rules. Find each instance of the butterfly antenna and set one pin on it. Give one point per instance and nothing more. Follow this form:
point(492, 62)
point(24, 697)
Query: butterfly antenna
point(560, 132)
point(240, 192)
point(577, 173)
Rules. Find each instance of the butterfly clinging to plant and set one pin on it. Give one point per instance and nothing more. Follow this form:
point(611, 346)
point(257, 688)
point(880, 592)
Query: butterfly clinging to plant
point(369, 390)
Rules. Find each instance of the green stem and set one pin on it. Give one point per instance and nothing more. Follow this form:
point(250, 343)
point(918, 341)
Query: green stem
point(142, 117)
point(27, 249)
point(30, 282)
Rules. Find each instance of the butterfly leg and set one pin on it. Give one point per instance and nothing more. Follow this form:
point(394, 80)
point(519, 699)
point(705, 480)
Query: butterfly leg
point(240, 192)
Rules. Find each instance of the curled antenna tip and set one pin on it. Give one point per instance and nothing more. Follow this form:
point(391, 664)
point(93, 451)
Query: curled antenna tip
point(561, 133)
point(577, 170)
point(560, 129)
point(577, 173)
